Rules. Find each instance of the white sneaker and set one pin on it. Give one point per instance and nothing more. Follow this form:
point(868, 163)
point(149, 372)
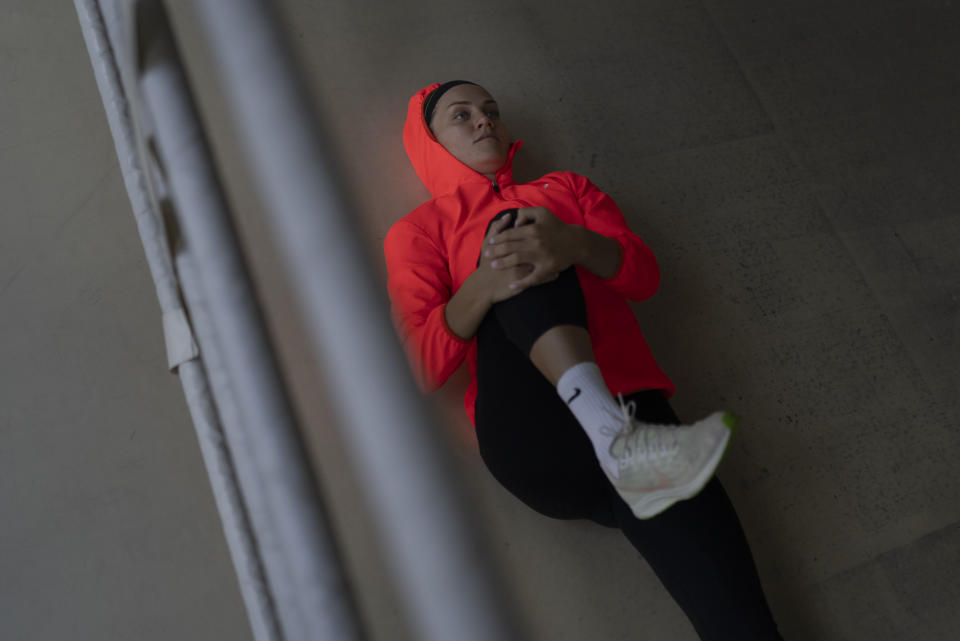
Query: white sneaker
point(662, 464)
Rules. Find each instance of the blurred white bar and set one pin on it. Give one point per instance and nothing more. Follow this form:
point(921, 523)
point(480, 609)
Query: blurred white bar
point(217, 456)
point(302, 565)
point(432, 537)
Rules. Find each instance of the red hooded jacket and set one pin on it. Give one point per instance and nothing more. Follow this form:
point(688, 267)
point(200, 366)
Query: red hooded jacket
point(431, 251)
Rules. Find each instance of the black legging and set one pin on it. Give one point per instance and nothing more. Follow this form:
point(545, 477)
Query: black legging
point(534, 446)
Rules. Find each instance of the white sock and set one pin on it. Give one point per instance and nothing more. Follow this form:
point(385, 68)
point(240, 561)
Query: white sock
point(582, 388)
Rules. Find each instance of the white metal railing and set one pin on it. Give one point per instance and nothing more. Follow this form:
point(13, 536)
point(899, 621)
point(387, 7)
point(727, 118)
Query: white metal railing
point(291, 576)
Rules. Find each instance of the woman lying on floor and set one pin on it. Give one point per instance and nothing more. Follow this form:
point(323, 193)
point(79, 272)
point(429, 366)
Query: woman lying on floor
point(530, 283)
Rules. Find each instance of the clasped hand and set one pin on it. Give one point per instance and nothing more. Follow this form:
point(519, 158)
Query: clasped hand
point(538, 244)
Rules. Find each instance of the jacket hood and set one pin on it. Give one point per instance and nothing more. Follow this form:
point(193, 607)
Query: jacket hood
point(438, 169)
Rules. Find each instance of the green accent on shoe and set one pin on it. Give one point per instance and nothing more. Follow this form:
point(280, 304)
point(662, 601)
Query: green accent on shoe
point(731, 421)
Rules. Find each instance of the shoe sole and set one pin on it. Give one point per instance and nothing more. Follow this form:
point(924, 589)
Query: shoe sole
point(650, 504)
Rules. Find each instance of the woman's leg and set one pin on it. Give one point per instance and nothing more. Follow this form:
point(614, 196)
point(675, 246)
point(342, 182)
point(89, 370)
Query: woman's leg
point(527, 436)
point(532, 444)
point(696, 547)
point(698, 550)
point(559, 349)
point(554, 308)
point(548, 324)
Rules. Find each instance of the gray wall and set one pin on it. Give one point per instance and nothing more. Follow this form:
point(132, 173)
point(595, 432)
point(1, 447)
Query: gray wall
point(791, 164)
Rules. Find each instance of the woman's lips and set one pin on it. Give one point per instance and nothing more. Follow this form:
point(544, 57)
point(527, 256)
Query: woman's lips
point(485, 137)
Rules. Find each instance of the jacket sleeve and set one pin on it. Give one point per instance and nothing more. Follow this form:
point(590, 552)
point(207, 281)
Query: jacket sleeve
point(419, 286)
point(637, 276)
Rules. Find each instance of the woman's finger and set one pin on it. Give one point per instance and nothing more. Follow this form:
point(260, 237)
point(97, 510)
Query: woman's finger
point(517, 233)
point(504, 249)
point(533, 278)
point(486, 253)
point(526, 215)
point(498, 225)
point(507, 260)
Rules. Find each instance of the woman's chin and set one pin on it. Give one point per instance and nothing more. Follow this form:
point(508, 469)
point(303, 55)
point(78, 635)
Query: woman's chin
point(489, 165)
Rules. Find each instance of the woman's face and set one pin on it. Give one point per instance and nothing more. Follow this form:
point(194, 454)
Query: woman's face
point(467, 123)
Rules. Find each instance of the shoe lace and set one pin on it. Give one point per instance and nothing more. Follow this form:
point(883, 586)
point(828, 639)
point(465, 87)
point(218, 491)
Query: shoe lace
point(629, 411)
point(654, 442)
point(629, 422)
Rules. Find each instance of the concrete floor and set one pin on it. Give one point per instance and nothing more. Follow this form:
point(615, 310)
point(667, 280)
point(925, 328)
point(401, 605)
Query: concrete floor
point(793, 165)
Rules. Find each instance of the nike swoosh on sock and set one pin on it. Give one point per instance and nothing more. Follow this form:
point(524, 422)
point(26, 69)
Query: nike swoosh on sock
point(574, 396)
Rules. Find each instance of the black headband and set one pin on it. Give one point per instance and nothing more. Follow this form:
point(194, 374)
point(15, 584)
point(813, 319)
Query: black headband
point(430, 104)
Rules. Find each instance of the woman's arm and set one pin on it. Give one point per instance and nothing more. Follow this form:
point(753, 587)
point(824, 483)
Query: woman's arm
point(466, 309)
point(418, 283)
point(637, 275)
point(604, 245)
point(598, 253)
point(484, 287)
point(556, 245)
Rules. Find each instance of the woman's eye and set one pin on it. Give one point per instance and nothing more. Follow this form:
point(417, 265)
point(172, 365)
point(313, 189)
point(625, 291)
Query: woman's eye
point(493, 114)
